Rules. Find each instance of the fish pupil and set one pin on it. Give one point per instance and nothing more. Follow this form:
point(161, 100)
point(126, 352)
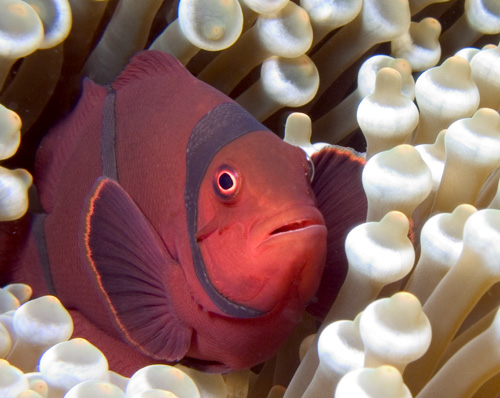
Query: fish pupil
point(225, 181)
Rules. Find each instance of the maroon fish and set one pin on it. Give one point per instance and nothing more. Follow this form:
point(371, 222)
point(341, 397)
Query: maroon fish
point(177, 227)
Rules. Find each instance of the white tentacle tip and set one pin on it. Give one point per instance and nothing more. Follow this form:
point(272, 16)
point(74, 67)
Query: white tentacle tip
point(265, 6)
point(93, 388)
point(43, 321)
point(381, 251)
point(66, 364)
point(332, 14)
point(483, 16)
point(56, 18)
point(10, 132)
point(287, 33)
point(387, 118)
point(477, 139)
point(21, 291)
point(420, 46)
point(340, 347)
point(290, 81)
point(14, 186)
point(162, 377)
point(211, 25)
point(395, 331)
point(382, 382)
point(8, 301)
point(12, 380)
point(21, 29)
point(482, 237)
point(396, 179)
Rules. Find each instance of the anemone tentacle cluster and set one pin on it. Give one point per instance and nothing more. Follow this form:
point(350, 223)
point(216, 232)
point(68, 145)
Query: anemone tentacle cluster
point(425, 108)
point(14, 184)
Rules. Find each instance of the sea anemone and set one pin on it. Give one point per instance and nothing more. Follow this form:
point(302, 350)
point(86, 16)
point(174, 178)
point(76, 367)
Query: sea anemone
point(427, 188)
point(14, 184)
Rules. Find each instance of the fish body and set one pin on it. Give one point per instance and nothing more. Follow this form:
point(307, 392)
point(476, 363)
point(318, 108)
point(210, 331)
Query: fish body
point(176, 226)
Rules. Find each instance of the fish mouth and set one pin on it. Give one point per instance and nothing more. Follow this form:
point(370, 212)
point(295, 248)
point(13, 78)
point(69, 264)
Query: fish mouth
point(295, 221)
point(293, 226)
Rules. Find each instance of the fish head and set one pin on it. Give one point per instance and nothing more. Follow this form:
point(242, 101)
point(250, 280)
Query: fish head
point(260, 234)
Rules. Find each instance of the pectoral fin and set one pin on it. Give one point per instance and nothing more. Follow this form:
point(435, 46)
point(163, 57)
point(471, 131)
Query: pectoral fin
point(129, 264)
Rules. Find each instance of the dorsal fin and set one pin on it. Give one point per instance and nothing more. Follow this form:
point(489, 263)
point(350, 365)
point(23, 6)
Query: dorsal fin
point(57, 147)
point(151, 63)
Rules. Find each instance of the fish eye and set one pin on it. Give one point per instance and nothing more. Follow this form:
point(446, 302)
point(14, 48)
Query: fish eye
point(226, 182)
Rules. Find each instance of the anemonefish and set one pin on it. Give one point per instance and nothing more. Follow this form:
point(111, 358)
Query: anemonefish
point(175, 227)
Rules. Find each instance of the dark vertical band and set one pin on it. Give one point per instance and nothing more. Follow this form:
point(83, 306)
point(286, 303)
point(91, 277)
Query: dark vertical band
point(41, 246)
point(223, 124)
point(108, 137)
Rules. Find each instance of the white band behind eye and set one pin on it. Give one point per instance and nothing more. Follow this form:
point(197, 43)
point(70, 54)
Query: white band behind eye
point(311, 165)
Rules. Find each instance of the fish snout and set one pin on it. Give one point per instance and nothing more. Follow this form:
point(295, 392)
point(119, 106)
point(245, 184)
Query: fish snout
point(292, 224)
point(291, 248)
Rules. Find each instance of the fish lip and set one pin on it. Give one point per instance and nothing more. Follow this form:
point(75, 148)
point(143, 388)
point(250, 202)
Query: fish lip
point(296, 220)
